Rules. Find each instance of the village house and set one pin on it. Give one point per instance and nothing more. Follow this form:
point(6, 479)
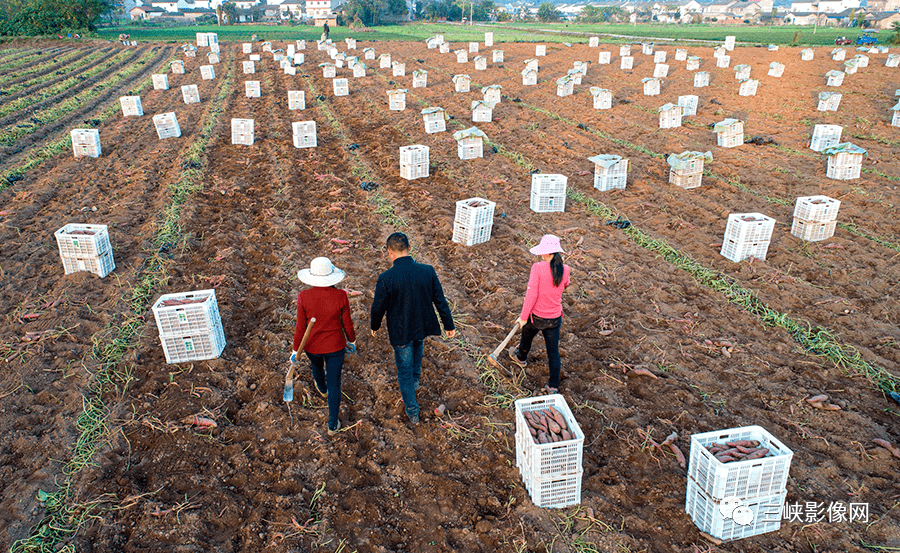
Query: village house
point(885, 20)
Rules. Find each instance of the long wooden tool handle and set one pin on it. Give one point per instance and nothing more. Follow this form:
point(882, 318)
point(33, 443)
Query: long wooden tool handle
point(309, 325)
point(505, 341)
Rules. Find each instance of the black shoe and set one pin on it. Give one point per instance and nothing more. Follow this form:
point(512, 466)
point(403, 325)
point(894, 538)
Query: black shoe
point(514, 355)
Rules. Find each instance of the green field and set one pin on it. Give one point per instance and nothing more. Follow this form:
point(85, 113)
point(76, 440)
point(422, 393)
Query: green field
point(519, 32)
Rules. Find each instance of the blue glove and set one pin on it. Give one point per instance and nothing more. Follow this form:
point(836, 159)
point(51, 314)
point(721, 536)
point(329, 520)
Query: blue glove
point(351, 347)
point(293, 357)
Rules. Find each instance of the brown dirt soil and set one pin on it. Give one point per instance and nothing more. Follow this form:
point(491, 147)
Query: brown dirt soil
point(450, 484)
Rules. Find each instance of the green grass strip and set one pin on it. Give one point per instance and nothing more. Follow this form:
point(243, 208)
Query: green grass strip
point(40, 67)
point(65, 516)
point(39, 156)
point(21, 61)
point(15, 131)
point(817, 340)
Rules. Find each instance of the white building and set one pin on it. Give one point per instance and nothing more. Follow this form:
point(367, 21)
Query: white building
point(825, 6)
point(320, 9)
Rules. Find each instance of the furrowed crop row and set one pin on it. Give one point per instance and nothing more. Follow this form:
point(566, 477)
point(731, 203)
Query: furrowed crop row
point(65, 517)
point(18, 62)
point(66, 85)
point(37, 157)
point(12, 133)
point(49, 76)
point(42, 67)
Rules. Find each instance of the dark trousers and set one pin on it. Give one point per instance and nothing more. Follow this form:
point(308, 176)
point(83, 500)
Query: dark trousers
point(551, 338)
point(326, 369)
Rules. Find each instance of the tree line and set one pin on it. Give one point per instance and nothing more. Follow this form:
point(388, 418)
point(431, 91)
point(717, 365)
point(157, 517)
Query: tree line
point(47, 17)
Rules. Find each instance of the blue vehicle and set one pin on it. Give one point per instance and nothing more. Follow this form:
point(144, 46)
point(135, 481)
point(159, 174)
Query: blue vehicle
point(866, 39)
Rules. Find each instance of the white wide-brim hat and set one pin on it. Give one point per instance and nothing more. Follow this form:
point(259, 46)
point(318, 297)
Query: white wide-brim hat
point(549, 244)
point(321, 272)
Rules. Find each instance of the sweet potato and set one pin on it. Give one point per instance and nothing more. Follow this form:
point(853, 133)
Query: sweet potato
point(560, 419)
point(678, 454)
point(726, 458)
point(743, 443)
point(887, 445)
point(553, 427)
point(566, 435)
point(817, 399)
point(758, 454)
point(532, 431)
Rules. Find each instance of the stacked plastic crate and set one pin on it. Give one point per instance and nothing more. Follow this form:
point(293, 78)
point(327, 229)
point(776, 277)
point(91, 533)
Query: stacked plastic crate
point(670, 116)
point(692, 63)
point(748, 87)
point(815, 218)
point(602, 97)
point(480, 63)
point(552, 471)
point(414, 162)
point(488, 39)
point(729, 133)
point(461, 83)
point(251, 89)
point(398, 69)
point(482, 111)
point(469, 143)
point(701, 79)
point(190, 327)
point(548, 193)
point(341, 87)
point(844, 161)
point(829, 101)
point(304, 134)
point(838, 54)
point(131, 106)
point(610, 172)
point(190, 93)
point(747, 235)
point(647, 48)
point(776, 69)
point(296, 100)
point(564, 86)
point(688, 103)
point(604, 58)
point(806, 54)
point(835, 77)
point(242, 131)
point(473, 222)
point(86, 142)
point(739, 498)
point(207, 72)
point(497, 56)
point(166, 125)
point(85, 248)
point(824, 136)
point(420, 78)
point(686, 168)
point(397, 99)
point(177, 67)
point(434, 120)
point(626, 62)
point(160, 81)
point(895, 119)
point(651, 86)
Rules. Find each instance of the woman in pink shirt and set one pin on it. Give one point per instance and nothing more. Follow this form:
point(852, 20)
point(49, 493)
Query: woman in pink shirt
point(542, 310)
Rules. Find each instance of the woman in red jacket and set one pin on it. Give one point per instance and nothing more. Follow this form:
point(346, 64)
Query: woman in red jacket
point(328, 339)
point(542, 309)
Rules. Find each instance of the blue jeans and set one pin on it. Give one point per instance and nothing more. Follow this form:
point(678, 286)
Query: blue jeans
point(326, 369)
point(409, 370)
point(551, 338)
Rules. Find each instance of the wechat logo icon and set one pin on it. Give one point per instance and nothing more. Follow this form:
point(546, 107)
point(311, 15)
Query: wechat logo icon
point(735, 509)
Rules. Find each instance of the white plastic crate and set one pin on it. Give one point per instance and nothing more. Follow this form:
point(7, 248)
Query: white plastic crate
point(625, 50)
point(529, 77)
point(296, 99)
point(748, 87)
point(532, 64)
point(482, 112)
point(341, 87)
point(812, 231)
point(470, 148)
point(553, 460)
point(251, 89)
point(207, 72)
point(692, 64)
point(359, 70)
point(540, 50)
point(701, 79)
point(247, 47)
point(290, 70)
point(461, 83)
point(594, 42)
point(723, 61)
point(488, 39)
point(681, 54)
point(610, 172)
point(685, 179)
point(651, 86)
point(304, 134)
point(183, 349)
point(101, 265)
point(160, 81)
point(166, 125)
point(688, 104)
point(838, 54)
point(249, 67)
point(659, 56)
point(895, 119)
point(604, 58)
point(553, 493)
point(806, 54)
point(816, 208)
point(398, 69)
point(187, 313)
point(480, 63)
point(842, 172)
point(266, 47)
point(740, 479)
point(131, 106)
point(177, 67)
point(835, 78)
point(190, 53)
point(434, 121)
point(413, 171)
point(729, 42)
point(647, 48)
point(351, 43)
point(829, 101)
point(602, 98)
point(893, 60)
point(765, 514)
point(203, 40)
point(190, 93)
point(86, 142)
point(444, 48)
point(77, 240)
point(626, 62)
point(475, 212)
point(497, 56)
point(742, 72)
point(420, 79)
point(729, 133)
point(670, 116)
point(299, 58)
point(328, 70)
point(825, 136)
point(255, 57)
point(565, 87)
point(749, 227)
point(397, 99)
point(469, 236)
point(414, 155)
point(548, 193)
point(661, 71)
point(242, 132)
point(776, 69)
point(462, 56)
point(736, 251)
point(473, 47)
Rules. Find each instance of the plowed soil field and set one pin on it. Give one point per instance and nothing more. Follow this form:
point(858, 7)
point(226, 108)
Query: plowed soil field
point(95, 451)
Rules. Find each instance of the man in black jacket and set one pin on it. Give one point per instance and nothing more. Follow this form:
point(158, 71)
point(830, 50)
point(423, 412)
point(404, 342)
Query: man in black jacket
point(406, 293)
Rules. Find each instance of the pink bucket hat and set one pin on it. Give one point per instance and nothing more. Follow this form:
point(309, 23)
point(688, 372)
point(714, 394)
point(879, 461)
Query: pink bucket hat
point(549, 244)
